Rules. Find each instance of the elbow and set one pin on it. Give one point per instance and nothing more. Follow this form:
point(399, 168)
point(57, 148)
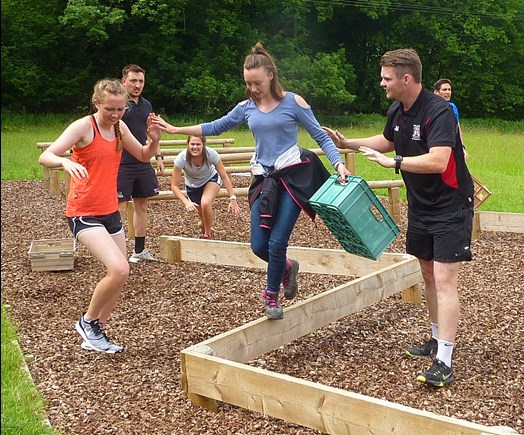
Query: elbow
point(441, 168)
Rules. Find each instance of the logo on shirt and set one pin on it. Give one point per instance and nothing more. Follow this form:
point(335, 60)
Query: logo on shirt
point(397, 128)
point(416, 132)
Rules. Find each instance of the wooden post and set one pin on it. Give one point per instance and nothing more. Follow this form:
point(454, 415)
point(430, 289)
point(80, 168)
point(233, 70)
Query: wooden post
point(394, 203)
point(67, 183)
point(54, 182)
point(46, 177)
point(130, 213)
point(475, 232)
point(413, 294)
point(196, 399)
point(350, 162)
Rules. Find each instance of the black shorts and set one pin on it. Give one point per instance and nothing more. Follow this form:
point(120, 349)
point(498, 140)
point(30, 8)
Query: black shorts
point(195, 193)
point(137, 180)
point(111, 222)
point(445, 237)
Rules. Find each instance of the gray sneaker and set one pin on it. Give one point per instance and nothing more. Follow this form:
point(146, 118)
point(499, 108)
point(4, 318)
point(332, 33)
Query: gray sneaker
point(272, 307)
point(94, 337)
point(113, 348)
point(289, 282)
point(144, 255)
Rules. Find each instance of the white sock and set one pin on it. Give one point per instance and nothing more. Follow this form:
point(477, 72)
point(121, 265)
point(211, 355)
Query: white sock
point(445, 350)
point(434, 331)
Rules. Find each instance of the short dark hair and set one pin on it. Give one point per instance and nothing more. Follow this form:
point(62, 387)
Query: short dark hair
point(404, 61)
point(133, 68)
point(438, 84)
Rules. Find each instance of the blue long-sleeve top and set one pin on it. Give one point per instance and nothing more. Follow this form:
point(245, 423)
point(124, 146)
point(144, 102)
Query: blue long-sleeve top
point(275, 131)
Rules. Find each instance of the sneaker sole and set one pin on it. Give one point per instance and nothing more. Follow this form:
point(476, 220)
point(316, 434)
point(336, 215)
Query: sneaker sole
point(86, 340)
point(419, 356)
point(270, 317)
point(86, 346)
point(422, 379)
point(138, 260)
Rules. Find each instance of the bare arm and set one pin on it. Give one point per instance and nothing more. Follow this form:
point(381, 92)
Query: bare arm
point(192, 130)
point(79, 133)
point(378, 142)
point(131, 144)
point(233, 204)
point(434, 162)
point(176, 177)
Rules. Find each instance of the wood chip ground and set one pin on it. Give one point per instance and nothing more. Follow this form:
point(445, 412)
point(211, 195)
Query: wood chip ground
point(167, 308)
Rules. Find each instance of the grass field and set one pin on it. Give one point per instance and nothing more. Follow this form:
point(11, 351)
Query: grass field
point(495, 149)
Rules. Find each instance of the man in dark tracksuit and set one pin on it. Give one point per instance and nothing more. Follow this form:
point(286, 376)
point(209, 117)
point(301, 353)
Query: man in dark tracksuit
point(422, 130)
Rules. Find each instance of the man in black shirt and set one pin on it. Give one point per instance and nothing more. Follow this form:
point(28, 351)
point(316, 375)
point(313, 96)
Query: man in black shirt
point(422, 131)
point(136, 179)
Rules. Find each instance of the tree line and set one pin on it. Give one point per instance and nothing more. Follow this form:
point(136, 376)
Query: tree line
point(53, 51)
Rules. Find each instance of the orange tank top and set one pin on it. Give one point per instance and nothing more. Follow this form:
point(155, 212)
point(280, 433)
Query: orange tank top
point(95, 195)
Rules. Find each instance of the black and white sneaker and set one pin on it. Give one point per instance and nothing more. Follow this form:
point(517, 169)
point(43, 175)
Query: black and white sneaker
point(428, 349)
point(94, 338)
point(438, 375)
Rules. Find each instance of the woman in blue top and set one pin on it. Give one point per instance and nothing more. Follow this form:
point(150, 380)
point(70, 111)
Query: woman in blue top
point(285, 176)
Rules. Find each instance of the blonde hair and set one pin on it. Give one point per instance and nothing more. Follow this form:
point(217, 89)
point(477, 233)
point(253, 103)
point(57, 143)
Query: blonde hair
point(114, 87)
point(260, 58)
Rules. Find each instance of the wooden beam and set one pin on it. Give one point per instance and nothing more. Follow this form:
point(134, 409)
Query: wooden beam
point(504, 222)
point(213, 369)
point(258, 337)
point(320, 407)
point(312, 260)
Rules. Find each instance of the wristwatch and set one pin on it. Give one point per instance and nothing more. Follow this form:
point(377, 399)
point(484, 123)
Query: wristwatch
point(159, 156)
point(233, 198)
point(398, 161)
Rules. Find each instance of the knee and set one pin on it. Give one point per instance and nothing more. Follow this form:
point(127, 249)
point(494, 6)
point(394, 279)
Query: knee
point(259, 248)
point(277, 247)
point(206, 205)
point(120, 274)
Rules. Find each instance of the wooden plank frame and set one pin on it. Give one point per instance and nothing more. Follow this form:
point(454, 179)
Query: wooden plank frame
point(215, 370)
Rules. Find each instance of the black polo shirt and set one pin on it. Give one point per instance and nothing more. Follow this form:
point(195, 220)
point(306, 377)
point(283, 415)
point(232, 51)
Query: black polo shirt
point(428, 123)
point(136, 119)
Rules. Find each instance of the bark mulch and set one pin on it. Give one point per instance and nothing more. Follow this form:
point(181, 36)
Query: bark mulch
point(166, 308)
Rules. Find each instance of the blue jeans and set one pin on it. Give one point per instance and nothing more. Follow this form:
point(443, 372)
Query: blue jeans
point(271, 245)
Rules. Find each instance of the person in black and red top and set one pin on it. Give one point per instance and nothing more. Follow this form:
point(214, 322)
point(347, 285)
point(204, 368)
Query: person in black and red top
point(422, 131)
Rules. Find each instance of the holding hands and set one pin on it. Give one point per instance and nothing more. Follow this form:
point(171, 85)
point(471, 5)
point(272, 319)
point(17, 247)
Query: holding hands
point(153, 130)
point(162, 124)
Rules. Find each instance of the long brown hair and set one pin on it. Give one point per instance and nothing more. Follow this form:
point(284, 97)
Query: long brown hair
point(260, 58)
point(114, 87)
point(189, 157)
